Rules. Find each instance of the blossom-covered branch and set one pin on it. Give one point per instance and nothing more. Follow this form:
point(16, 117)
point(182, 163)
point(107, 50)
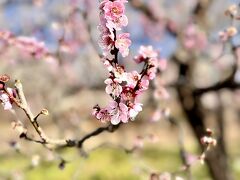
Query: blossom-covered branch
point(27, 45)
point(124, 87)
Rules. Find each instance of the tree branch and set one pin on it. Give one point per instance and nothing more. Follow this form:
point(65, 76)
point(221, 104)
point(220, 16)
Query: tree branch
point(227, 83)
point(45, 140)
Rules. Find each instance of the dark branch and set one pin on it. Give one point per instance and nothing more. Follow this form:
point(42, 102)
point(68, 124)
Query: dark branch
point(110, 128)
point(228, 83)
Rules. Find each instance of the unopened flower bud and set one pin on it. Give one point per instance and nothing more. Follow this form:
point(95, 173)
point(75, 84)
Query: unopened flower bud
point(45, 112)
point(209, 132)
point(231, 31)
point(232, 10)
point(4, 78)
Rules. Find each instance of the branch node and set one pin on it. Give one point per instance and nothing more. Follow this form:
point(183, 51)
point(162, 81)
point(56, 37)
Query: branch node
point(70, 143)
point(23, 135)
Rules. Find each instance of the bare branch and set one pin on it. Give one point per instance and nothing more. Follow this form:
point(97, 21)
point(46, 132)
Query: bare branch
point(227, 83)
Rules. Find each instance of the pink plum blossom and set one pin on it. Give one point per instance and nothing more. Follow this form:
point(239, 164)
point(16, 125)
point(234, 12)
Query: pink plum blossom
point(103, 115)
point(114, 10)
point(113, 87)
point(108, 65)
point(28, 45)
point(120, 73)
point(119, 113)
point(5, 100)
point(152, 73)
point(114, 113)
point(6, 35)
point(102, 26)
point(31, 45)
point(144, 83)
point(106, 43)
point(136, 108)
point(102, 4)
point(162, 64)
point(117, 24)
point(128, 95)
point(122, 43)
point(147, 52)
point(133, 78)
point(153, 63)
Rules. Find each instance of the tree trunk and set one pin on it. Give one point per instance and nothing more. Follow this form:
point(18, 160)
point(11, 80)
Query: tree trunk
point(217, 157)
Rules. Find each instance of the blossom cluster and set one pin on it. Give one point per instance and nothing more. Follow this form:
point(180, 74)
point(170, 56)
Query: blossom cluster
point(229, 32)
point(124, 87)
point(113, 19)
point(6, 93)
point(27, 45)
point(208, 139)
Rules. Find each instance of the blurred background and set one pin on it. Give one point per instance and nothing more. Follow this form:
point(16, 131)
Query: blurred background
point(63, 73)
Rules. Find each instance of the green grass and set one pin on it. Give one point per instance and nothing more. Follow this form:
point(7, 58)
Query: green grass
point(102, 164)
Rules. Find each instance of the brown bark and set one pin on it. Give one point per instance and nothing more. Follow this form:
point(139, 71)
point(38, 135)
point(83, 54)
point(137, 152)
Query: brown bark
point(217, 157)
